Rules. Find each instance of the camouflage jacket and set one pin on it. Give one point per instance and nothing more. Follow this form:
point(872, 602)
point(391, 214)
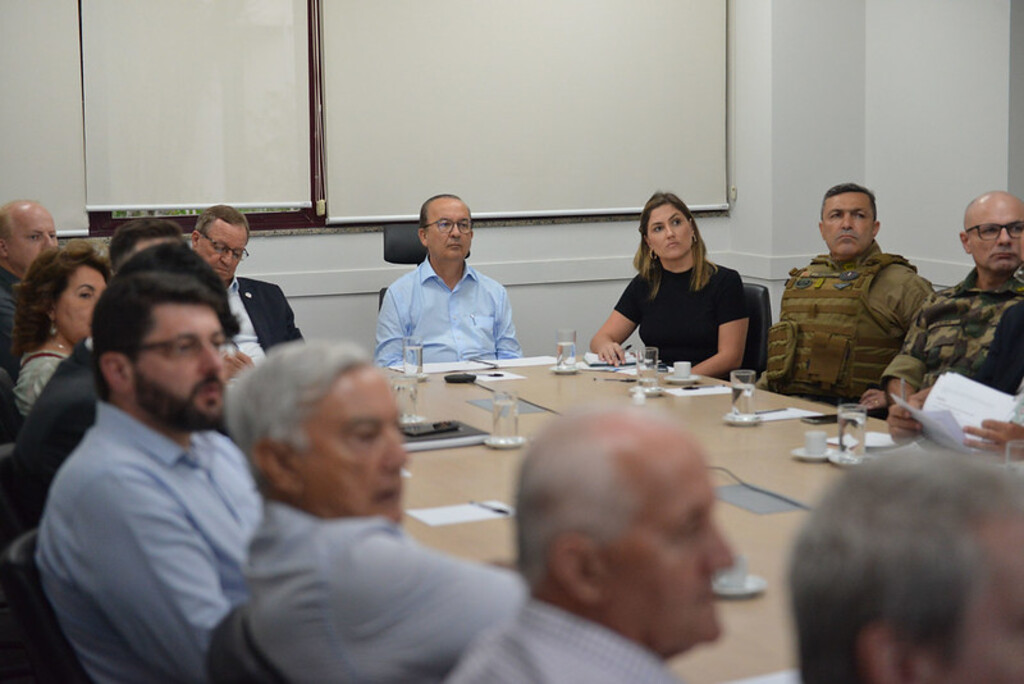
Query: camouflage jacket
point(953, 330)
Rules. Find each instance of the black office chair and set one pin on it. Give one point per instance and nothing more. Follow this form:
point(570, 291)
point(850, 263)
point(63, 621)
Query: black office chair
point(52, 657)
point(234, 657)
point(13, 522)
point(759, 309)
point(401, 246)
point(10, 417)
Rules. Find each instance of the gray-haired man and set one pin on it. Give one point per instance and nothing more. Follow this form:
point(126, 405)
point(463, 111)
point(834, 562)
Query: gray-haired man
point(339, 593)
point(912, 570)
point(617, 543)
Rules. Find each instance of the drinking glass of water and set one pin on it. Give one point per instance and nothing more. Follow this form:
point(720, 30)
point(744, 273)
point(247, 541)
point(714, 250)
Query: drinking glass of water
point(647, 369)
point(565, 358)
point(853, 419)
point(742, 384)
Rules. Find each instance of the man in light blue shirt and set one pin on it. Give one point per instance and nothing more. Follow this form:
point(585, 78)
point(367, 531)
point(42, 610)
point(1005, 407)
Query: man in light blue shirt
point(460, 314)
point(146, 525)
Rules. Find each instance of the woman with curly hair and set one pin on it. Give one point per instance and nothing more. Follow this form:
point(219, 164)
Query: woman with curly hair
point(54, 307)
point(688, 307)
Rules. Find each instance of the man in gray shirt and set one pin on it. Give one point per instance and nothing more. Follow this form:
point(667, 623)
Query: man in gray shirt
point(339, 592)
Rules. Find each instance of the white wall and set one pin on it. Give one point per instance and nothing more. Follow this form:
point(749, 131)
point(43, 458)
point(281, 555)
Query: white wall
point(910, 97)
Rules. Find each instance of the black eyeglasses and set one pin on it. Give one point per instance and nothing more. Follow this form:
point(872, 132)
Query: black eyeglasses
point(445, 225)
point(190, 346)
point(223, 250)
point(990, 231)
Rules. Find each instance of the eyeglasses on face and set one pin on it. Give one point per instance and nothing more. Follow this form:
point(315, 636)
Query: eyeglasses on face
point(990, 231)
point(445, 225)
point(223, 250)
point(190, 346)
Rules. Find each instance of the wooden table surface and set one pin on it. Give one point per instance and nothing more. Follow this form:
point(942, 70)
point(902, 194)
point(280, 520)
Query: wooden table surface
point(757, 635)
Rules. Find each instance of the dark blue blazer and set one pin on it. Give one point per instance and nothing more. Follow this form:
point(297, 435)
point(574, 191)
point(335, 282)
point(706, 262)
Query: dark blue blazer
point(1004, 365)
point(268, 309)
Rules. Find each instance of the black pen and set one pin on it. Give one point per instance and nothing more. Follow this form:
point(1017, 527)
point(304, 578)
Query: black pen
point(500, 510)
point(761, 413)
point(615, 379)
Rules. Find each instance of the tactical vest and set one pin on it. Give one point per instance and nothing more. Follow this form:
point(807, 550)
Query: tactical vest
point(815, 348)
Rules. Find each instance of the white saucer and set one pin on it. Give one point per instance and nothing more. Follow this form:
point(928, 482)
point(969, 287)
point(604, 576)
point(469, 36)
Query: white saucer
point(752, 587)
point(676, 380)
point(505, 442)
point(652, 391)
point(834, 460)
point(801, 455)
point(735, 421)
point(564, 371)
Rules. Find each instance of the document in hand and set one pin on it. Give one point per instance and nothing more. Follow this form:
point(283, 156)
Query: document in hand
point(956, 402)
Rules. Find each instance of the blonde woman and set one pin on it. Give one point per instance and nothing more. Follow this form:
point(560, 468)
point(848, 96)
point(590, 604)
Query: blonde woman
point(688, 307)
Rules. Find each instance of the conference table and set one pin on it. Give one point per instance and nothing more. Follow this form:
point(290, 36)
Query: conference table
point(757, 634)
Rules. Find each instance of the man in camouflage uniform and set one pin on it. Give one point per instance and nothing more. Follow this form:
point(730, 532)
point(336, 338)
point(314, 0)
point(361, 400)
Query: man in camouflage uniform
point(955, 326)
point(845, 315)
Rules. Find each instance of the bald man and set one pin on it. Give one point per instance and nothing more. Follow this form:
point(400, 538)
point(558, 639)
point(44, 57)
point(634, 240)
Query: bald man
point(956, 326)
point(618, 545)
point(26, 229)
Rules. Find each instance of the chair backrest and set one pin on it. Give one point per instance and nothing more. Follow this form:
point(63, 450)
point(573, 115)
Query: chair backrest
point(10, 417)
point(759, 309)
point(13, 521)
point(234, 657)
point(402, 244)
point(52, 657)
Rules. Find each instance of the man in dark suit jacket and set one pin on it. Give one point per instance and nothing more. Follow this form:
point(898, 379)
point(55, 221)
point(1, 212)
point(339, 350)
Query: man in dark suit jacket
point(263, 312)
point(1004, 370)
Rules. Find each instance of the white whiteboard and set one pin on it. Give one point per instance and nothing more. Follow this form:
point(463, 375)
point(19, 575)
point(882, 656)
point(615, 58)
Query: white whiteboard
point(41, 109)
point(522, 107)
point(191, 103)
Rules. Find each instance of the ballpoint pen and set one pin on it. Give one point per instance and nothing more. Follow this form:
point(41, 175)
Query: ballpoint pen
point(500, 510)
point(615, 379)
point(761, 413)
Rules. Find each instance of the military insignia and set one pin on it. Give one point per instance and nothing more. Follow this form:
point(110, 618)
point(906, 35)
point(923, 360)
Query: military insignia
point(802, 283)
point(849, 275)
point(840, 286)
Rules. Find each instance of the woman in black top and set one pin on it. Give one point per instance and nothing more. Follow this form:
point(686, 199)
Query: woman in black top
point(688, 307)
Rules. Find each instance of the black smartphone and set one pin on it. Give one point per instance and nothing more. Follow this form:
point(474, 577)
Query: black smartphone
point(420, 429)
point(821, 420)
point(460, 377)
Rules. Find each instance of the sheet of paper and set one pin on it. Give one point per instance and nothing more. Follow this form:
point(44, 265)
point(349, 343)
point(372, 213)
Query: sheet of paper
point(968, 400)
point(594, 361)
point(527, 361)
point(462, 513)
point(698, 391)
point(785, 414)
point(939, 426)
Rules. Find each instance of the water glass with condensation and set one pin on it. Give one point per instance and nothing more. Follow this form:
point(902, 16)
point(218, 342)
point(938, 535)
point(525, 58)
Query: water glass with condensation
point(505, 412)
point(853, 420)
point(742, 384)
point(647, 368)
point(406, 390)
point(412, 355)
point(565, 354)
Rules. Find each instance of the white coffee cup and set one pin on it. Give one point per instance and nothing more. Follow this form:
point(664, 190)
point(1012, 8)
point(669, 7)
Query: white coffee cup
point(681, 369)
point(815, 442)
point(734, 577)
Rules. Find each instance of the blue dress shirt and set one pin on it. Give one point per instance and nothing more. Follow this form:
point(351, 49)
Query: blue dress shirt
point(472, 321)
point(141, 548)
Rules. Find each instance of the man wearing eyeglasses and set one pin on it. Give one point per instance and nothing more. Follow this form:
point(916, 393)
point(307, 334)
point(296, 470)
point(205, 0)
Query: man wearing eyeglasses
point(263, 312)
point(844, 316)
point(142, 541)
point(956, 326)
point(460, 313)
